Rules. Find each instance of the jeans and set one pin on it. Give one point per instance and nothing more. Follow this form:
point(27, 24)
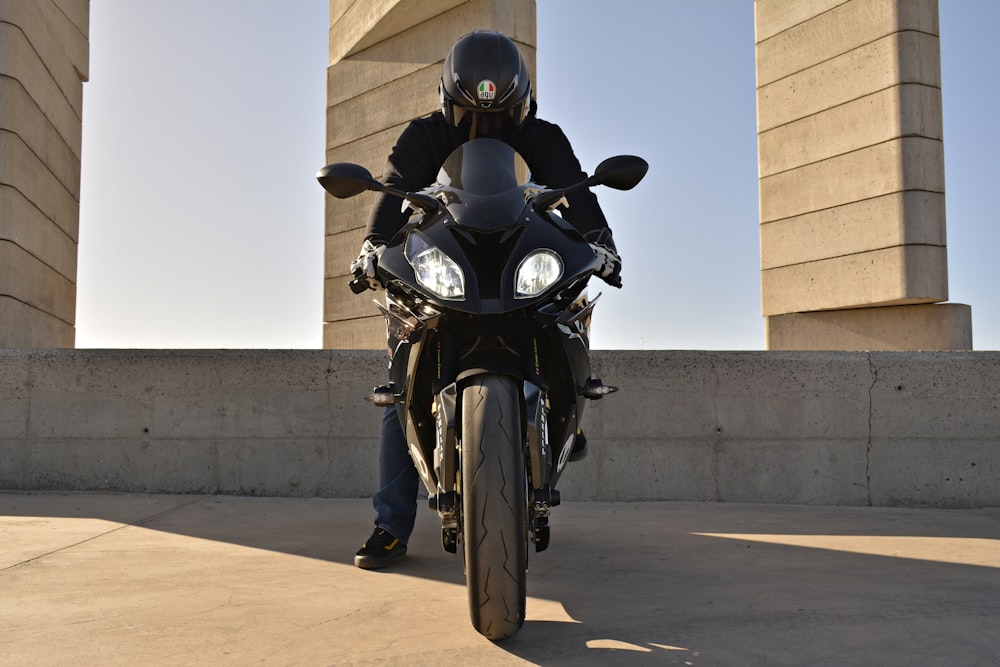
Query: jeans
point(396, 500)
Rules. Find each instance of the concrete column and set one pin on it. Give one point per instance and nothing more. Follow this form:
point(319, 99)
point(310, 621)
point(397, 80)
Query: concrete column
point(385, 64)
point(44, 58)
point(851, 168)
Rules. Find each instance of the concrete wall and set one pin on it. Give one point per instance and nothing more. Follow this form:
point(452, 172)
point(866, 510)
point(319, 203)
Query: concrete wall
point(44, 56)
point(851, 166)
point(385, 64)
point(850, 428)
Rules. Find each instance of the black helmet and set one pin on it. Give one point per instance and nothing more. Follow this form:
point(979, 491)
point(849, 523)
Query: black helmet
point(484, 75)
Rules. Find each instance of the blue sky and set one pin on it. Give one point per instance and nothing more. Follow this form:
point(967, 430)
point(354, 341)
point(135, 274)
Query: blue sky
point(204, 122)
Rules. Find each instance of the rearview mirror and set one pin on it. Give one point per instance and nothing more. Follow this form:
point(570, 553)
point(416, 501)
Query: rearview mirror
point(343, 179)
point(622, 172)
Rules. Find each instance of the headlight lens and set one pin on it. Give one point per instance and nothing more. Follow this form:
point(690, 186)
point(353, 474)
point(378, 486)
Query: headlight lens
point(433, 269)
point(537, 272)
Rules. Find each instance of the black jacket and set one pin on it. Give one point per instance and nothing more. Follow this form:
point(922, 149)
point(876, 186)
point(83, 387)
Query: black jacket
point(426, 142)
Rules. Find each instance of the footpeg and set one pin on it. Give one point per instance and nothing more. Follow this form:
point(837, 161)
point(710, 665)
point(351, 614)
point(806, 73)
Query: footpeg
point(449, 540)
point(541, 536)
point(543, 500)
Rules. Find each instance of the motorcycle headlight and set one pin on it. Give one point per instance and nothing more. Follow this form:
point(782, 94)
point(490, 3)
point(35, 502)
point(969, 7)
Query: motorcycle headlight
point(433, 269)
point(537, 272)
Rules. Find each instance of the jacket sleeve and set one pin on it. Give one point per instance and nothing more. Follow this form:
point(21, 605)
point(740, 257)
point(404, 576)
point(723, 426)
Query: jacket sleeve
point(554, 164)
point(411, 166)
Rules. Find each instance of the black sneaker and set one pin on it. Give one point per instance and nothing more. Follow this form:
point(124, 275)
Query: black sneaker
point(380, 550)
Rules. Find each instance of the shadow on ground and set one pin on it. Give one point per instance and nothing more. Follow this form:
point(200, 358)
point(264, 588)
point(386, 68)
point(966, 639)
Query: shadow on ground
point(628, 583)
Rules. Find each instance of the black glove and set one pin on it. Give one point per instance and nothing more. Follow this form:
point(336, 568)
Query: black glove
point(366, 265)
point(610, 268)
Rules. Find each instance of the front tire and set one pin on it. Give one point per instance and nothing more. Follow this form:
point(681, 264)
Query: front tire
point(494, 505)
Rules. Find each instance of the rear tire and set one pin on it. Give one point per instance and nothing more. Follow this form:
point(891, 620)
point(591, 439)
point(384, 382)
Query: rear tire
point(494, 505)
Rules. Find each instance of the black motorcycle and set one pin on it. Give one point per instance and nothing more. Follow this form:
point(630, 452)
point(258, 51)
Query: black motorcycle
point(488, 321)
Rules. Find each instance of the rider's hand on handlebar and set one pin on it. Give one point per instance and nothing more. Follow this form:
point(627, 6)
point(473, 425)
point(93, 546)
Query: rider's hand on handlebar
point(366, 265)
point(610, 269)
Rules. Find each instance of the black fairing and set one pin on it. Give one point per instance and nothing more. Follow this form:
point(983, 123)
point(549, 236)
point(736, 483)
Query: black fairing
point(488, 227)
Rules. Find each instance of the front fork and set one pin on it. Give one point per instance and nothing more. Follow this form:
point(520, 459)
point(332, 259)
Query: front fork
point(538, 459)
point(446, 466)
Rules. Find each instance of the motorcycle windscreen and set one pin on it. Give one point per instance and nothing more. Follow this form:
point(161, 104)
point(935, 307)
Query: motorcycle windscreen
point(484, 167)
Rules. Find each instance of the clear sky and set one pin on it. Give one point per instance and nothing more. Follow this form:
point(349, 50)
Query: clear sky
point(204, 125)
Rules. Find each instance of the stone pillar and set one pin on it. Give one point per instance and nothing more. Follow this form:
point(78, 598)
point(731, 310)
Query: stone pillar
point(851, 170)
point(385, 64)
point(44, 57)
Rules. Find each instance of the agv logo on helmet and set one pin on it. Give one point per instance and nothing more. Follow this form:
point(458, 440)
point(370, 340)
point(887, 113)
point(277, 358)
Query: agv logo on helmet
point(486, 91)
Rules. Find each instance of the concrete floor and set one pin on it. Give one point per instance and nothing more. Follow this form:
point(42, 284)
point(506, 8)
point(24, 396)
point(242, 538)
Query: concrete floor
point(108, 579)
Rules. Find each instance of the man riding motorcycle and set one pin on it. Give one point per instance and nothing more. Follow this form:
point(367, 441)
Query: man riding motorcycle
point(485, 91)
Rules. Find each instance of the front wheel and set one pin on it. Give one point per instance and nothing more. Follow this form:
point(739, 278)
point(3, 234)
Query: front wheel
point(494, 505)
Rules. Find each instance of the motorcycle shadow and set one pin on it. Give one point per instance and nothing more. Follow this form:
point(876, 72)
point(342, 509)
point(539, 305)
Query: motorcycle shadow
point(584, 600)
point(590, 602)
